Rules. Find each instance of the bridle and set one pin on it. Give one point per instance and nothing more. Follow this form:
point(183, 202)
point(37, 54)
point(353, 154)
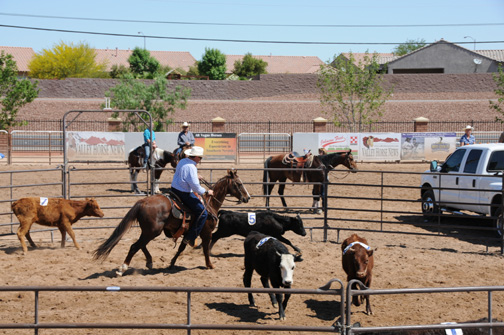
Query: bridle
point(235, 183)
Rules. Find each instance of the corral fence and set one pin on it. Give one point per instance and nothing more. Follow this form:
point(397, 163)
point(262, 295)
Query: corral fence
point(368, 201)
point(342, 325)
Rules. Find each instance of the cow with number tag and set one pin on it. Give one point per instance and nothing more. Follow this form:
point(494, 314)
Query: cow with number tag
point(266, 222)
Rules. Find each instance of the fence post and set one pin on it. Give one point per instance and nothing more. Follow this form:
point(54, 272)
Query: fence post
point(319, 125)
point(9, 147)
point(218, 125)
point(325, 200)
point(420, 125)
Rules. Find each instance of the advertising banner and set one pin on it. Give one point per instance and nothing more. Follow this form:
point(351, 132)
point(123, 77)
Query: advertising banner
point(217, 146)
point(427, 146)
point(380, 146)
point(96, 146)
point(338, 142)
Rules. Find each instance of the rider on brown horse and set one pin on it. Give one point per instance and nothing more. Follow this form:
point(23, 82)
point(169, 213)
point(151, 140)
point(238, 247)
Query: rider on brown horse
point(185, 185)
point(185, 138)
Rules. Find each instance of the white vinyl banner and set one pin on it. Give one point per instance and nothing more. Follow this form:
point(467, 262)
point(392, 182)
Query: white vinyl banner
point(338, 142)
point(90, 145)
point(380, 146)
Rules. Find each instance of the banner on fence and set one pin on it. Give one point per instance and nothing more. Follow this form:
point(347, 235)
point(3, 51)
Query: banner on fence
point(427, 146)
point(90, 145)
point(338, 142)
point(217, 146)
point(380, 146)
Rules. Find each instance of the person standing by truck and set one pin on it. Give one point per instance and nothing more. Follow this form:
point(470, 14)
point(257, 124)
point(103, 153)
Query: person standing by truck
point(468, 137)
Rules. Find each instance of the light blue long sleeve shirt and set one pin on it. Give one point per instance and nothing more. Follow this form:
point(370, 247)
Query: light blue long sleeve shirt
point(186, 177)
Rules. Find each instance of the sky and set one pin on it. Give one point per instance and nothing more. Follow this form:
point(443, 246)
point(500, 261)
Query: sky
point(371, 25)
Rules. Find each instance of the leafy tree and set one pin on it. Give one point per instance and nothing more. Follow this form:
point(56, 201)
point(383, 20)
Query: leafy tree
point(408, 46)
point(66, 61)
point(249, 66)
point(118, 71)
point(132, 93)
point(352, 93)
point(213, 64)
point(14, 92)
point(142, 64)
point(499, 91)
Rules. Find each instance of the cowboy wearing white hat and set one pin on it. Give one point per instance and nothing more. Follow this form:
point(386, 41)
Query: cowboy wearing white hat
point(185, 138)
point(184, 184)
point(467, 138)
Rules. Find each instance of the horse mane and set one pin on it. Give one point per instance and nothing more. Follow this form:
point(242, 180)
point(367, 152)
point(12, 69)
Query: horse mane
point(327, 159)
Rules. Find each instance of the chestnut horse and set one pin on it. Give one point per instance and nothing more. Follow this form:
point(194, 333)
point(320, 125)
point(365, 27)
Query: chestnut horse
point(135, 163)
point(329, 161)
point(154, 215)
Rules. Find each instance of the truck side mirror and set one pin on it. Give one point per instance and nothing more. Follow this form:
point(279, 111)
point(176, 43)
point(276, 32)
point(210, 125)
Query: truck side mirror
point(434, 166)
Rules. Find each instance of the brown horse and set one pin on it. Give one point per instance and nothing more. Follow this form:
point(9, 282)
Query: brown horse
point(329, 161)
point(154, 214)
point(181, 153)
point(135, 163)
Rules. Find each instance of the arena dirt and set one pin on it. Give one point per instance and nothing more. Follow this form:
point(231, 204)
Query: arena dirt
point(401, 261)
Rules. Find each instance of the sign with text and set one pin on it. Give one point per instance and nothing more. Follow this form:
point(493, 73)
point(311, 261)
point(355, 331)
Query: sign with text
point(217, 146)
point(428, 146)
point(339, 142)
point(380, 146)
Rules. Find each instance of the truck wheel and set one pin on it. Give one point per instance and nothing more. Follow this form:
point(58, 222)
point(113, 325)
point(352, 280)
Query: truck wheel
point(499, 221)
point(429, 205)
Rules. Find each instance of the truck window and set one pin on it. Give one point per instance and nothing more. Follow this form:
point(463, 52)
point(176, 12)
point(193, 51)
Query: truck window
point(496, 161)
point(452, 164)
point(472, 161)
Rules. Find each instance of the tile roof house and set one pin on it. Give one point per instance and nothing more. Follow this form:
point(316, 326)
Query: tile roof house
point(22, 56)
point(281, 64)
point(174, 59)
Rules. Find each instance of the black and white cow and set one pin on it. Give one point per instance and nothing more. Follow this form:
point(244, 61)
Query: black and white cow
point(266, 222)
point(271, 260)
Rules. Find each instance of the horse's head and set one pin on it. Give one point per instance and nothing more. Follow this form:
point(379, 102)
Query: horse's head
point(171, 158)
point(348, 161)
point(236, 187)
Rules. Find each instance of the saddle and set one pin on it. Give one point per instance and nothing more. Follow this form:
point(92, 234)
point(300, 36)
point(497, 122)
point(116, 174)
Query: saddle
point(298, 162)
point(181, 212)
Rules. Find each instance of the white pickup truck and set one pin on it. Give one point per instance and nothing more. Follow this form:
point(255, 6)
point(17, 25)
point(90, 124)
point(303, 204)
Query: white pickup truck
point(469, 180)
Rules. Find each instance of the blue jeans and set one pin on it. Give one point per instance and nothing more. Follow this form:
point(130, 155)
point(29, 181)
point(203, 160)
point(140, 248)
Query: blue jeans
point(147, 153)
point(197, 209)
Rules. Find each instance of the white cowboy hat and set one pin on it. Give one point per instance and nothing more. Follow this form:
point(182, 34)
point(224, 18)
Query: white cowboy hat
point(185, 124)
point(194, 152)
point(469, 127)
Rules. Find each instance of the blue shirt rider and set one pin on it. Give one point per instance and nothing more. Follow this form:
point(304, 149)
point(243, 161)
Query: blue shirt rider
point(185, 184)
point(185, 137)
point(146, 145)
point(467, 138)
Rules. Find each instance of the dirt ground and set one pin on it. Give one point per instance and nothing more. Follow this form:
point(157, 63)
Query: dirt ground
point(402, 260)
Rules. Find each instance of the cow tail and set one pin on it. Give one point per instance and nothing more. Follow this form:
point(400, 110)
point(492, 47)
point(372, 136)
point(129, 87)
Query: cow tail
point(106, 247)
point(265, 176)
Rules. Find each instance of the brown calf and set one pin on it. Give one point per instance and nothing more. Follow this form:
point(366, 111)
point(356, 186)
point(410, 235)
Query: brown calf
point(358, 264)
point(52, 212)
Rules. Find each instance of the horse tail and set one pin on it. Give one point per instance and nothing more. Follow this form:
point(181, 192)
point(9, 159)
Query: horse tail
point(106, 247)
point(265, 175)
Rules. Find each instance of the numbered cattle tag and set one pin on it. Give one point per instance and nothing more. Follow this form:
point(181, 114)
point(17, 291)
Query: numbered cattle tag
point(251, 218)
point(43, 201)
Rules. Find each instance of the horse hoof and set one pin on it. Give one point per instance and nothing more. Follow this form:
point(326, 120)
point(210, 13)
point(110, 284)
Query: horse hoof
point(210, 266)
point(275, 305)
point(149, 266)
point(283, 318)
point(119, 273)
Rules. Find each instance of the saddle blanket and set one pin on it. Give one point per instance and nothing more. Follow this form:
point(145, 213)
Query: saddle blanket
point(264, 240)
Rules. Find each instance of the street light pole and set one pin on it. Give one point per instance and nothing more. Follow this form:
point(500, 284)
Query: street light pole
point(474, 40)
point(140, 33)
